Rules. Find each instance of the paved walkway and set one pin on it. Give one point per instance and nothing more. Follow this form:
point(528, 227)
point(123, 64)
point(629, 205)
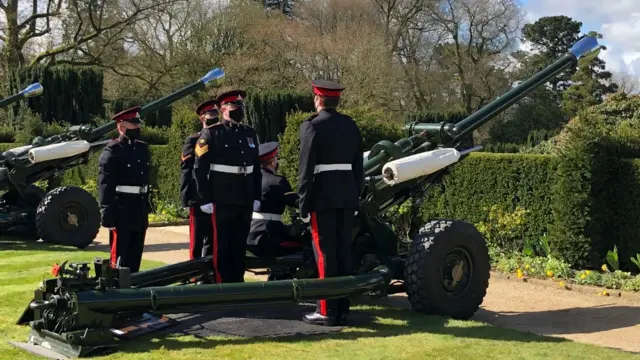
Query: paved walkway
point(534, 307)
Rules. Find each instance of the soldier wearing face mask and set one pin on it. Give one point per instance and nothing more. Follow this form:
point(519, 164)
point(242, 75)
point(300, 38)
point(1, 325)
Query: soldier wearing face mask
point(228, 181)
point(123, 183)
point(200, 227)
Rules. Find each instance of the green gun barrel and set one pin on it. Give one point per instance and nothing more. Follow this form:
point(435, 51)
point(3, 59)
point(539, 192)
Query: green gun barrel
point(32, 90)
point(214, 78)
point(175, 299)
point(446, 133)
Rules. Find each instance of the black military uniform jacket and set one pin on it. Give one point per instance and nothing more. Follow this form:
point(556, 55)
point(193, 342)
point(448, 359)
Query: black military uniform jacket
point(225, 147)
point(188, 193)
point(276, 196)
point(329, 138)
point(124, 162)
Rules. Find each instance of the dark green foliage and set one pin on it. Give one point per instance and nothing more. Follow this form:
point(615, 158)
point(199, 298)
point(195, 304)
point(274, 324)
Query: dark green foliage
point(597, 183)
point(71, 94)
point(267, 111)
point(452, 116)
point(507, 180)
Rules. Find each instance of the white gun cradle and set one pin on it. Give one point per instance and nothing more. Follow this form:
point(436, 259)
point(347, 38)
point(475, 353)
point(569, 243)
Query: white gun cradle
point(415, 166)
point(58, 151)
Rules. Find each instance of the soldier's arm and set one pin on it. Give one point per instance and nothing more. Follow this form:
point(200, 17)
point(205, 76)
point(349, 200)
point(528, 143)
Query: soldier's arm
point(358, 163)
point(291, 198)
point(257, 177)
point(186, 169)
point(203, 152)
point(107, 168)
point(306, 166)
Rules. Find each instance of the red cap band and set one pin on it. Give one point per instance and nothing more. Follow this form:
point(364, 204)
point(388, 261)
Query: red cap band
point(270, 155)
point(208, 108)
point(326, 92)
point(229, 99)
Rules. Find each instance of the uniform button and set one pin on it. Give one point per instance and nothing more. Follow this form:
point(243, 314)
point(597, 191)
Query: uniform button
point(138, 160)
point(141, 172)
point(241, 152)
point(226, 145)
point(128, 165)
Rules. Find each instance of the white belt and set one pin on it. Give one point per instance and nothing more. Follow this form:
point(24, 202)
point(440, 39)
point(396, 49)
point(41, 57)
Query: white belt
point(331, 167)
point(265, 216)
point(129, 189)
point(232, 169)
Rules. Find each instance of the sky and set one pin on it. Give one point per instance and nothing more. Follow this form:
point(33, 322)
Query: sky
point(617, 20)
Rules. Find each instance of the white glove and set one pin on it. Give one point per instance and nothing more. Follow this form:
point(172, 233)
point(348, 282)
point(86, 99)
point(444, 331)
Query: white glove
point(256, 205)
point(306, 219)
point(355, 213)
point(208, 208)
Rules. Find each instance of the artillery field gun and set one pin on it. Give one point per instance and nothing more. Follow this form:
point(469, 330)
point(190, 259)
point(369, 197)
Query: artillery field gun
point(65, 215)
point(444, 269)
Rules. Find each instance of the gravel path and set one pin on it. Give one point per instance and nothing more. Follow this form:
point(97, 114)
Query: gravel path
point(534, 306)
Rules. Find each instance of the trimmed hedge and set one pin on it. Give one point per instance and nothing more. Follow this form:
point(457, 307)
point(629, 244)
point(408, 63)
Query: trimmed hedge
point(506, 180)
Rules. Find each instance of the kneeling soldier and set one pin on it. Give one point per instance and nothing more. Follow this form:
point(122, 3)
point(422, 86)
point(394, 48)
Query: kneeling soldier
point(200, 227)
point(268, 232)
point(123, 184)
point(228, 182)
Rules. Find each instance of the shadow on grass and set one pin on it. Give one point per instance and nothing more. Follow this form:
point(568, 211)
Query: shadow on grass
point(8, 243)
point(575, 320)
point(380, 323)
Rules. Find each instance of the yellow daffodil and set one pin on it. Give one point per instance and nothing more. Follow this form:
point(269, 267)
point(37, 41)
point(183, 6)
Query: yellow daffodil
point(604, 267)
point(519, 274)
point(550, 273)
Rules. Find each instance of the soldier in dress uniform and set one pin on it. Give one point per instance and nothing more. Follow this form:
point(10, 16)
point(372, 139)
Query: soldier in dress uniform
point(331, 178)
point(268, 232)
point(200, 227)
point(123, 182)
point(228, 182)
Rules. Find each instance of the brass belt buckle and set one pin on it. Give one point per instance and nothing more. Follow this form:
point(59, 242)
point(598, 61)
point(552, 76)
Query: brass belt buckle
point(242, 170)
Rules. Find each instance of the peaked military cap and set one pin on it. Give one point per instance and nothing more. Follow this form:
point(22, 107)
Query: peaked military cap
point(207, 106)
point(327, 88)
point(231, 97)
point(268, 150)
point(131, 115)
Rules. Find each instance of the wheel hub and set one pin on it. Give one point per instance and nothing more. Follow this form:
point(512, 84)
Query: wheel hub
point(72, 216)
point(456, 272)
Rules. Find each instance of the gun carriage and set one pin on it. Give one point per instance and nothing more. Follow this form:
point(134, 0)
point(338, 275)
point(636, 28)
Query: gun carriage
point(444, 269)
point(65, 215)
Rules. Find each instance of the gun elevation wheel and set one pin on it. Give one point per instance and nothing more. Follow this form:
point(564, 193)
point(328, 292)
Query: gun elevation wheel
point(68, 216)
point(447, 269)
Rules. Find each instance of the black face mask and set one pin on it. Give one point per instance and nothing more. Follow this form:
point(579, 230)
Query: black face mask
point(237, 114)
point(211, 121)
point(132, 133)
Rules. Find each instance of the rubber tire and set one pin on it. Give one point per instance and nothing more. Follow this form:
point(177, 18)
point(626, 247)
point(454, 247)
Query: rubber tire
point(424, 263)
point(47, 215)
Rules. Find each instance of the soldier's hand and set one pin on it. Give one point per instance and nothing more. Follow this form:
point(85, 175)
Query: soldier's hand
point(208, 208)
point(256, 205)
point(305, 219)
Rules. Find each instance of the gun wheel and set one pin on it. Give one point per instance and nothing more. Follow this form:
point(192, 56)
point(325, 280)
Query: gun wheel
point(447, 269)
point(68, 216)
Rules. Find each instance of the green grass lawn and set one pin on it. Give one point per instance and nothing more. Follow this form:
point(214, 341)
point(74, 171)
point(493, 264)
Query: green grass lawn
point(395, 333)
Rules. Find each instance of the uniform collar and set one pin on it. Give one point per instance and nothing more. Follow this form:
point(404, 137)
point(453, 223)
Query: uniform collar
point(268, 170)
point(123, 139)
point(228, 123)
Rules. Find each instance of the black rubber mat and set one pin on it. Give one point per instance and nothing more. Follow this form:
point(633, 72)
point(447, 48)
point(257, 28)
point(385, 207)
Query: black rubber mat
point(278, 321)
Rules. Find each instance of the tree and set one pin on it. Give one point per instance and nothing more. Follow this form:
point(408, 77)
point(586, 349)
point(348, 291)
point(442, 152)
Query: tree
point(551, 37)
point(627, 82)
point(80, 21)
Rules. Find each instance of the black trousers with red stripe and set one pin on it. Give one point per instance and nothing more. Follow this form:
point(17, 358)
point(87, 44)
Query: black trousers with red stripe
point(126, 247)
point(331, 235)
point(200, 233)
point(231, 225)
